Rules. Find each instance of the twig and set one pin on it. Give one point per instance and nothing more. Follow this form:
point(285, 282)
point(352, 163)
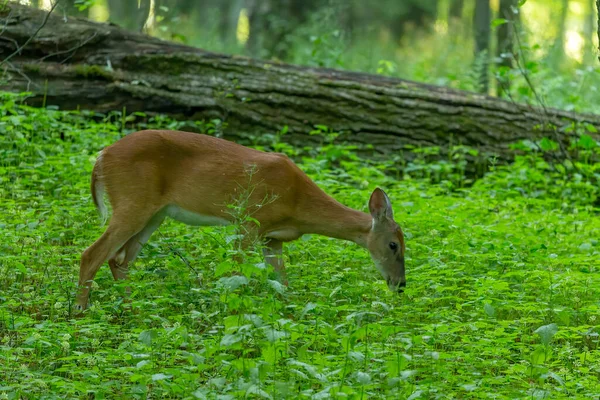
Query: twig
point(44, 22)
point(181, 256)
point(72, 49)
point(18, 71)
point(545, 113)
point(6, 22)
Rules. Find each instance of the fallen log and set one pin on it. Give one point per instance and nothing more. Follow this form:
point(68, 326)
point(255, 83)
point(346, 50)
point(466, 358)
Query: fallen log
point(77, 63)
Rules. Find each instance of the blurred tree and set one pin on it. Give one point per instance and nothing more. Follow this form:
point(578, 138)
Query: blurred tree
point(273, 21)
point(598, 22)
point(481, 22)
point(456, 8)
point(558, 48)
point(65, 6)
point(588, 32)
point(177, 7)
point(130, 14)
point(456, 24)
point(419, 14)
point(229, 12)
point(504, 38)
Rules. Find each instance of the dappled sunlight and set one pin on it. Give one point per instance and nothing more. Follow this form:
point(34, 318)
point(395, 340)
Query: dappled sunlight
point(574, 43)
point(242, 32)
point(99, 11)
point(537, 17)
point(46, 4)
point(150, 21)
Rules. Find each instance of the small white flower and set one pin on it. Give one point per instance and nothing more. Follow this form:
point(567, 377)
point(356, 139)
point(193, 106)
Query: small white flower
point(58, 305)
point(65, 345)
point(66, 337)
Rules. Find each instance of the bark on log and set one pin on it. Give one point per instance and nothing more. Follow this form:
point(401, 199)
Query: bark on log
point(78, 63)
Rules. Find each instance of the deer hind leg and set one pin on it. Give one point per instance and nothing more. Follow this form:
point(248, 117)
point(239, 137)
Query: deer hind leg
point(119, 263)
point(273, 253)
point(130, 250)
point(121, 228)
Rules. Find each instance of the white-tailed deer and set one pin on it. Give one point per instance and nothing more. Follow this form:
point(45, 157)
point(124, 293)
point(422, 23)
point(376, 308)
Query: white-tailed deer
point(150, 175)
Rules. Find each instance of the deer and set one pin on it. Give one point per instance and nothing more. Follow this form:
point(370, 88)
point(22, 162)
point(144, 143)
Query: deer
point(150, 175)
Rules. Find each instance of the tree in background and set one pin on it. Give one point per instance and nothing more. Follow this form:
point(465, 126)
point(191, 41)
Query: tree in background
point(558, 49)
point(455, 18)
point(508, 12)
point(481, 23)
point(588, 32)
point(130, 14)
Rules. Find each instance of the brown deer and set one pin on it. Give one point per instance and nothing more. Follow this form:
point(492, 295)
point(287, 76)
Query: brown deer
point(154, 174)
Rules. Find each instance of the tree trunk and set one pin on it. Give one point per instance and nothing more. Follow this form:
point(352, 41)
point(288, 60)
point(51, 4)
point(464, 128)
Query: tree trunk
point(588, 33)
point(558, 48)
point(481, 24)
point(456, 9)
point(504, 48)
point(82, 64)
point(598, 25)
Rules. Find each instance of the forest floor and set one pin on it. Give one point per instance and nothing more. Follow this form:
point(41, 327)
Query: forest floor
point(502, 299)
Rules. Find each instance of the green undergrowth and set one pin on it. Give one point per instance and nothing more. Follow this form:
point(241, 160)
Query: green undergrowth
point(502, 300)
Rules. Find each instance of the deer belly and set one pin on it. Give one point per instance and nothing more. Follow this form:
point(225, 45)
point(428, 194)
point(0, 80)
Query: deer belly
point(192, 218)
point(284, 234)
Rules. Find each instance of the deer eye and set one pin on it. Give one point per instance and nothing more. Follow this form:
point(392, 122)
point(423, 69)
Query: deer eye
point(393, 246)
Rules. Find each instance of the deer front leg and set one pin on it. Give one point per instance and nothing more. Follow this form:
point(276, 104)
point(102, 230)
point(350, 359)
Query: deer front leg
point(273, 253)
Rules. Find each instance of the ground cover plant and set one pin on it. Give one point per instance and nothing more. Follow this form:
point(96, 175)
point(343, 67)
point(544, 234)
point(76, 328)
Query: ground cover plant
point(503, 295)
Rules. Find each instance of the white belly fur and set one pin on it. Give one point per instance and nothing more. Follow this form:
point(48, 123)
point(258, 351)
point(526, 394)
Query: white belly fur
point(192, 218)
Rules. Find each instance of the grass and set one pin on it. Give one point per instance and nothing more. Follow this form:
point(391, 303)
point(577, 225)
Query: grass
point(503, 295)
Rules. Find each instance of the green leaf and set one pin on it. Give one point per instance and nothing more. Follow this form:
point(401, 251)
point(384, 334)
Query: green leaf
point(541, 355)
point(148, 336)
point(554, 376)
point(498, 22)
point(277, 286)
point(547, 332)
point(363, 378)
point(548, 145)
point(230, 339)
point(489, 310)
point(307, 308)
point(233, 282)
point(586, 142)
point(160, 377)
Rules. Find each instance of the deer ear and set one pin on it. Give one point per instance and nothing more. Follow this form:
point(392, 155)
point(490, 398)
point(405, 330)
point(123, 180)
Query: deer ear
point(380, 205)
